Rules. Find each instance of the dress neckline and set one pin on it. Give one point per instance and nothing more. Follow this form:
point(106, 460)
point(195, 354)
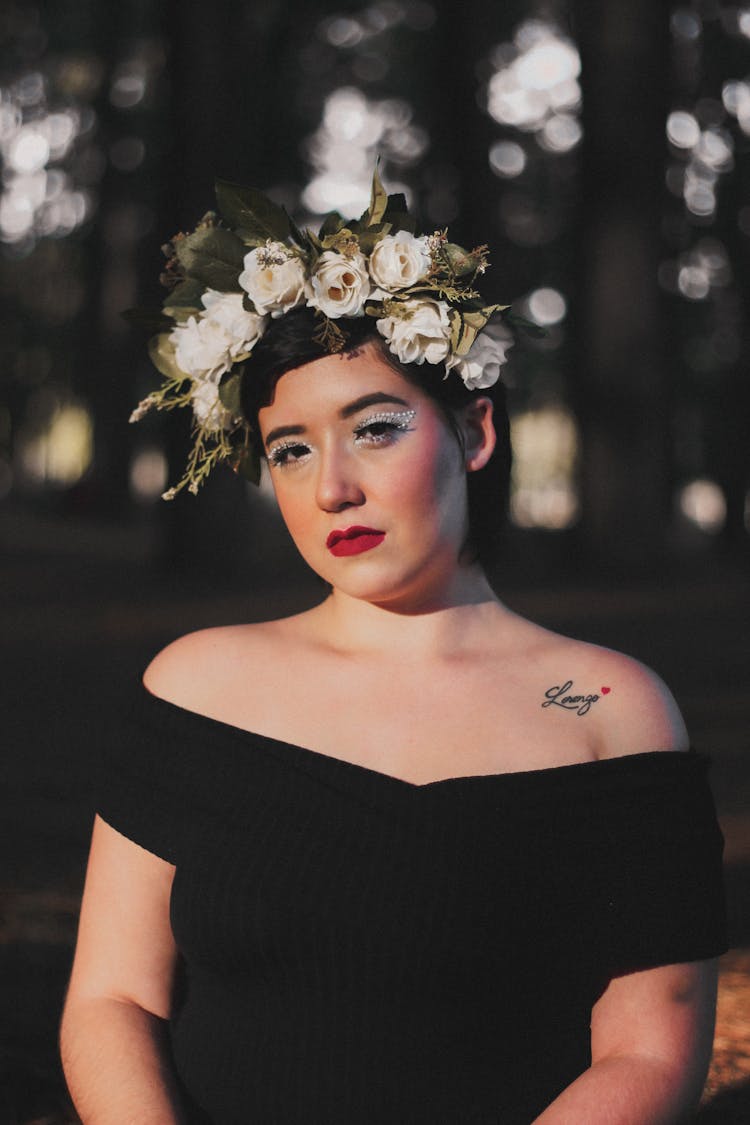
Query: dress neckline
point(317, 757)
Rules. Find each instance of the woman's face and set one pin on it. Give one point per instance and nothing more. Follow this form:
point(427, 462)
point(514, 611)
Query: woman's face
point(369, 478)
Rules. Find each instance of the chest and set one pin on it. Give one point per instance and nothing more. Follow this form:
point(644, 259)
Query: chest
point(419, 724)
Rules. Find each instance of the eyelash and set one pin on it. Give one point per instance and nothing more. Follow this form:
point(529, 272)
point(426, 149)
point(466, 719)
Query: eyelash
point(395, 422)
point(277, 456)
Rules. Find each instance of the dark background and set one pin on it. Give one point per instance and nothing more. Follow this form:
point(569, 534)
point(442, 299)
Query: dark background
point(617, 214)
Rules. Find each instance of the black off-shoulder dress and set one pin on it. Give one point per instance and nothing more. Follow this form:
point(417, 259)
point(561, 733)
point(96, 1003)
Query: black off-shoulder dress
point(356, 949)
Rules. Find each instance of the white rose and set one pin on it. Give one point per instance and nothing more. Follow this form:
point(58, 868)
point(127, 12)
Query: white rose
point(399, 261)
point(340, 285)
point(201, 348)
point(208, 408)
point(480, 367)
point(424, 334)
point(208, 344)
point(273, 278)
point(243, 328)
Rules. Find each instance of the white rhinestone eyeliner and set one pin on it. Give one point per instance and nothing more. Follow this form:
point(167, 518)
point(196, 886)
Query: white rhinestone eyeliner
point(399, 418)
point(277, 450)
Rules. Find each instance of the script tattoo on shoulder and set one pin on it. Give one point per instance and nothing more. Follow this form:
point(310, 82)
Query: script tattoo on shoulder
point(561, 696)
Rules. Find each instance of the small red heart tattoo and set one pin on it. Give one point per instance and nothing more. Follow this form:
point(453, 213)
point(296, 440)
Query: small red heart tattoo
point(606, 690)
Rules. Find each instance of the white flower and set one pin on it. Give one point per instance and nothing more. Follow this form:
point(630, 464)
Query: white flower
point(480, 367)
point(423, 333)
point(340, 284)
point(273, 278)
point(243, 328)
point(208, 408)
point(399, 261)
point(208, 344)
point(201, 348)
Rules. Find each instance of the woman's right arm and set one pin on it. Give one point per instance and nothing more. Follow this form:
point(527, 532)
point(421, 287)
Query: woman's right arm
point(113, 1034)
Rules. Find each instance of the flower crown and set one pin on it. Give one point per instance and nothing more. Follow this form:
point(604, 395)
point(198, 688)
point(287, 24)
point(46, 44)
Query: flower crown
point(251, 263)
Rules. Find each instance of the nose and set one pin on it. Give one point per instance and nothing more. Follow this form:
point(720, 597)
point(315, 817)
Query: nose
point(337, 487)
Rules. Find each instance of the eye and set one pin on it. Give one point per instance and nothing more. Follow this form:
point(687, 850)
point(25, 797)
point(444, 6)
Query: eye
point(381, 429)
point(287, 453)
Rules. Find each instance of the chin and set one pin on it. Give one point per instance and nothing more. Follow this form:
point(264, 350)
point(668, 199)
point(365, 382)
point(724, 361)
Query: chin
point(390, 586)
point(371, 586)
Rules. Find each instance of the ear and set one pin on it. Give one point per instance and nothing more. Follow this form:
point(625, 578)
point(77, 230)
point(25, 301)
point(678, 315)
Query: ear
point(479, 434)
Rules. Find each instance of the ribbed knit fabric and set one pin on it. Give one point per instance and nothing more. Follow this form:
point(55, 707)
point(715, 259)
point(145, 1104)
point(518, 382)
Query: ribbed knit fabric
point(357, 949)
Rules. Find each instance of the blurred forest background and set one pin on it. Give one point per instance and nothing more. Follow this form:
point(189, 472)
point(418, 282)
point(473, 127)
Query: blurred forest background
point(603, 152)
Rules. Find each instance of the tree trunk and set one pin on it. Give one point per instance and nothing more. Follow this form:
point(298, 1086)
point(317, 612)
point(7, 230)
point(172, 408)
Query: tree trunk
point(621, 387)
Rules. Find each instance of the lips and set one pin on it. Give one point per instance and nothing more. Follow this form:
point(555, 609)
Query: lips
point(354, 540)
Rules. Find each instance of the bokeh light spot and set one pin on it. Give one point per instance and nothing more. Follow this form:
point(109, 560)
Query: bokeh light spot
point(30, 89)
point(343, 31)
point(683, 130)
point(535, 78)
point(700, 199)
point(547, 64)
point(507, 159)
point(693, 282)
point(561, 133)
point(702, 502)
point(128, 88)
point(354, 131)
point(546, 306)
point(715, 149)
point(735, 96)
point(545, 452)
point(685, 24)
point(148, 474)
point(28, 151)
point(63, 451)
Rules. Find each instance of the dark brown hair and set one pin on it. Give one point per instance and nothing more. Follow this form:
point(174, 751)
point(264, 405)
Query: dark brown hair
point(289, 342)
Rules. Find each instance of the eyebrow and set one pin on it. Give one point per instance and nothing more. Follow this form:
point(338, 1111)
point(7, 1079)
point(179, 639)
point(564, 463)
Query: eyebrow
point(377, 398)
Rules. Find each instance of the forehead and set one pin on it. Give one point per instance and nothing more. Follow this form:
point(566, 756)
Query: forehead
point(326, 385)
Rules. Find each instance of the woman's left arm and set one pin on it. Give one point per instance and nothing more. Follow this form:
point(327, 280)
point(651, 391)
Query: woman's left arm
point(651, 1038)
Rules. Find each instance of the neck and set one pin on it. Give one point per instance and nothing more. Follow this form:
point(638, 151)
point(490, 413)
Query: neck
point(435, 623)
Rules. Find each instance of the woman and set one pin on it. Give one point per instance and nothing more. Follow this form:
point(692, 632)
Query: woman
point(404, 857)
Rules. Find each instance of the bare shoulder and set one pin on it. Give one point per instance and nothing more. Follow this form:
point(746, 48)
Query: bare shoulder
point(194, 668)
point(632, 708)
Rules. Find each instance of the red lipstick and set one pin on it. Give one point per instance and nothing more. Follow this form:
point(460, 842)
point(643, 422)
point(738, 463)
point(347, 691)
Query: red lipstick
point(354, 540)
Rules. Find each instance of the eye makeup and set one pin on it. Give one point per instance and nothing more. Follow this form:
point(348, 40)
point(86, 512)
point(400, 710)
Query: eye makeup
point(279, 454)
point(374, 429)
point(391, 421)
point(398, 418)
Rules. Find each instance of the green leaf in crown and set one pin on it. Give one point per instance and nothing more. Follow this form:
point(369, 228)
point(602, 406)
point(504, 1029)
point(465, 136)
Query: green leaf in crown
point(212, 256)
point(370, 237)
point(254, 216)
point(331, 225)
point(378, 203)
point(230, 392)
point(467, 324)
point(161, 352)
point(247, 463)
point(185, 297)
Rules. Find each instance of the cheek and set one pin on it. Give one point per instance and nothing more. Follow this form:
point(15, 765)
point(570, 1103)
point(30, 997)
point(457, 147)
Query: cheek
point(435, 476)
point(296, 511)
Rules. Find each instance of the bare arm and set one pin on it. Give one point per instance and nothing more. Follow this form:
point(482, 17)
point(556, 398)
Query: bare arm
point(113, 1028)
point(651, 1036)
